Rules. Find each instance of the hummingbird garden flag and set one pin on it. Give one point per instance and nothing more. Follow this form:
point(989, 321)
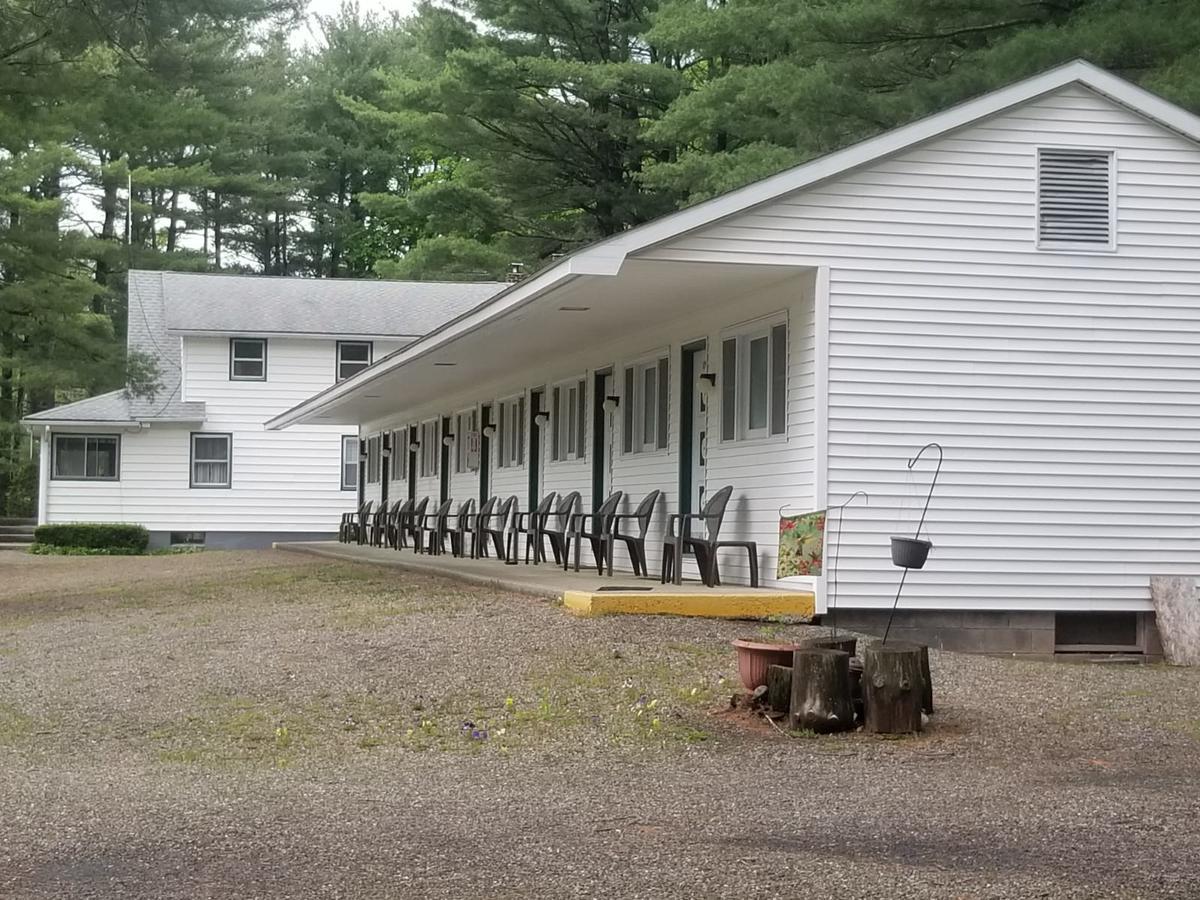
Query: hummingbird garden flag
point(801, 544)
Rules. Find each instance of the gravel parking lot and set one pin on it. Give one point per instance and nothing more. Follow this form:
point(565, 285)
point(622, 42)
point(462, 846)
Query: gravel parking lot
point(260, 724)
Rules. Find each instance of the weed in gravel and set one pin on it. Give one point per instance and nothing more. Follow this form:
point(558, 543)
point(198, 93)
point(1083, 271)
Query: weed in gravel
point(15, 725)
point(230, 730)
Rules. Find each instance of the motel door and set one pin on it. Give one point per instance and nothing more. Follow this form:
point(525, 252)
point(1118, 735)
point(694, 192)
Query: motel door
point(602, 437)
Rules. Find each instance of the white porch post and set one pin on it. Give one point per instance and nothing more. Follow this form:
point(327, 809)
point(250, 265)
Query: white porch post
point(43, 475)
point(821, 413)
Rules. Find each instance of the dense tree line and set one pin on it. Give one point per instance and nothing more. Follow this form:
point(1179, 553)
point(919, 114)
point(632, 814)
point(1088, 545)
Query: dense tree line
point(202, 134)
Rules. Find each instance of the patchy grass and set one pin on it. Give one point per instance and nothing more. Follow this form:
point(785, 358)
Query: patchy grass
point(15, 725)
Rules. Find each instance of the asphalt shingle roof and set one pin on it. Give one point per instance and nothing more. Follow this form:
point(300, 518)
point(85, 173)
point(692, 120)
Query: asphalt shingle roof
point(256, 304)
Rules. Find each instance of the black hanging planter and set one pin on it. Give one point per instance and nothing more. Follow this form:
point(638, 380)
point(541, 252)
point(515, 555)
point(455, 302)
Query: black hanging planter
point(910, 553)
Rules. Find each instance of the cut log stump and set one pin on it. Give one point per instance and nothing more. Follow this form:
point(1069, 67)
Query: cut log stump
point(893, 688)
point(821, 690)
point(845, 644)
point(779, 688)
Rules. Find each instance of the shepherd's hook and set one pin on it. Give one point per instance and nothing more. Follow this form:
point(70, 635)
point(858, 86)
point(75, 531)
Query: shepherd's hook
point(912, 462)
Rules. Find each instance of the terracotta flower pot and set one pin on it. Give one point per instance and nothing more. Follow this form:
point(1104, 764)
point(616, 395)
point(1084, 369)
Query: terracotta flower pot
point(753, 658)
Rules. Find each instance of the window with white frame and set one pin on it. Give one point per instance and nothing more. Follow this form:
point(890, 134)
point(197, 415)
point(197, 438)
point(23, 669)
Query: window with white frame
point(212, 460)
point(431, 452)
point(374, 459)
point(352, 357)
point(399, 464)
point(247, 359)
point(466, 441)
point(570, 427)
point(754, 381)
point(86, 457)
point(350, 462)
point(510, 431)
point(644, 407)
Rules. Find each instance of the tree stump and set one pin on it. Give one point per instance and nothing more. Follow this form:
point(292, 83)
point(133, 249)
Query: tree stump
point(779, 688)
point(845, 644)
point(927, 693)
point(821, 690)
point(893, 688)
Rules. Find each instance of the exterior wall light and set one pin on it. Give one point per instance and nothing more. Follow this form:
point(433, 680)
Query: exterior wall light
point(489, 431)
point(706, 382)
point(611, 404)
point(448, 440)
point(541, 420)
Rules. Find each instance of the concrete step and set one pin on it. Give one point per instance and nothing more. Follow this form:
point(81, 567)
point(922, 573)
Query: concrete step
point(26, 538)
point(13, 520)
point(16, 529)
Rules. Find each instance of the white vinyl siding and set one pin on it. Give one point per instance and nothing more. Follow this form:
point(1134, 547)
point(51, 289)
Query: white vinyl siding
point(284, 481)
point(1062, 385)
point(212, 460)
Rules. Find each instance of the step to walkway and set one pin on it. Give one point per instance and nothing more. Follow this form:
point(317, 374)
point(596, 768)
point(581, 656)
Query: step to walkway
point(16, 534)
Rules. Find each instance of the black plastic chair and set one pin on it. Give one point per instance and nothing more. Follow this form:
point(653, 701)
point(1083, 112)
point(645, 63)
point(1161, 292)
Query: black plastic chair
point(412, 527)
point(463, 520)
point(476, 521)
point(348, 529)
point(363, 527)
point(397, 521)
point(435, 525)
point(496, 528)
point(636, 544)
point(600, 533)
point(557, 528)
point(531, 524)
point(379, 525)
point(704, 548)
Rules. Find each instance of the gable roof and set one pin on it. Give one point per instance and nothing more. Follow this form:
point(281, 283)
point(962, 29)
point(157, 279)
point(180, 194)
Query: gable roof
point(606, 257)
point(263, 305)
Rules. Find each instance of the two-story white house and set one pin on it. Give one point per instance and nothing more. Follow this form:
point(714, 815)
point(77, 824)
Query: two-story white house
point(193, 463)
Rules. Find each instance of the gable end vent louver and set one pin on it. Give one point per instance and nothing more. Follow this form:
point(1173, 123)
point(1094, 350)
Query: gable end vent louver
point(1075, 197)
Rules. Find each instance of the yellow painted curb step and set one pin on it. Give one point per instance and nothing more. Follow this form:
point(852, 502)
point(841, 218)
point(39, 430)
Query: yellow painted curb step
point(750, 605)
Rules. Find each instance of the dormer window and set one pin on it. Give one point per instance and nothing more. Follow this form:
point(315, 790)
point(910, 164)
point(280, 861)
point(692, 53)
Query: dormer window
point(1076, 199)
point(352, 358)
point(248, 359)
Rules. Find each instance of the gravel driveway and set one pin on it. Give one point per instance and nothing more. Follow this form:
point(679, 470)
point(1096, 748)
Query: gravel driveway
point(260, 724)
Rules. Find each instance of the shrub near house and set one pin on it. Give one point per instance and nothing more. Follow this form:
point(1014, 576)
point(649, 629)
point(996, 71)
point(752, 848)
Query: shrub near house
point(91, 538)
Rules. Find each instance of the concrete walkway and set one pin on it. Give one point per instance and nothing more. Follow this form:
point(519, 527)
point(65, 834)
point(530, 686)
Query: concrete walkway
point(582, 592)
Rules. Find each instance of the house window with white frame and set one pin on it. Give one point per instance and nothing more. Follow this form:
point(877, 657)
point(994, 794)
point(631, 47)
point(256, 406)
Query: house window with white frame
point(375, 459)
point(86, 457)
point(212, 460)
point(247, 359)
point(352, 358)
point(350, 462)
point(466, 441)
point(431, 452)
point(753, 386)
point(570, 427)
point(399, 464)
point(510, 432)
point(645, 405)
